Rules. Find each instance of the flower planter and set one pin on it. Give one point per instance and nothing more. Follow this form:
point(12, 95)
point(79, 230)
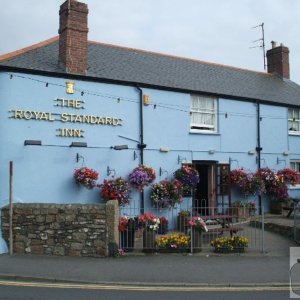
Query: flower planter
point(127, 240)
point(149, 237)
point(227, 250)
point(240, 213)
point(174, 250)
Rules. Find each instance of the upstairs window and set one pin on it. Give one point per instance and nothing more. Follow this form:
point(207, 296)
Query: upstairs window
point(294, 121)
point(295, 165)
point(203, 114)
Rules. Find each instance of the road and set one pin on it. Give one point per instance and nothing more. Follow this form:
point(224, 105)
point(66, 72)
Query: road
point(47, 291)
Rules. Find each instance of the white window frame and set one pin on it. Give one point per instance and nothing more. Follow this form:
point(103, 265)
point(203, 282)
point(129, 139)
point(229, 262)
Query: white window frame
point(294, 120)
point(202, 127)
point(293, 166)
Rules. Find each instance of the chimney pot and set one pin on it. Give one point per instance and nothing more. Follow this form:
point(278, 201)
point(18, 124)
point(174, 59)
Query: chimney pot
point(274, 44)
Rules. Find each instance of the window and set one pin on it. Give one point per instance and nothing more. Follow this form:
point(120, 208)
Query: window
point(295, 165)
point(203, 114)
point(294, 121)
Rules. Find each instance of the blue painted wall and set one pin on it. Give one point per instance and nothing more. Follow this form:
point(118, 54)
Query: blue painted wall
point(44, 174)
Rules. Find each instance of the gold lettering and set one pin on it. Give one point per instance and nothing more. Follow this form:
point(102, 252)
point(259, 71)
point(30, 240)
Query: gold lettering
point(77, 132)
point(120, 122)
point(108, 121)
point(50, 117)
point(78, 119)
point(77, 104)
point(18, 114)
point(44, 116)
point(93, 119)
point(69, 132)
point(101, 121)
point(64, 117)
point(72, 117)
point(27, 115)
point(36, 114)
point(86, 119)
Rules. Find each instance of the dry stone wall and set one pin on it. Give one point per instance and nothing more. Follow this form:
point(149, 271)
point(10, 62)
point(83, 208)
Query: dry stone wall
point(62, 229)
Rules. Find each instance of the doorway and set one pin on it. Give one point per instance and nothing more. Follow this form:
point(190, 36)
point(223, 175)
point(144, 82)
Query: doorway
point(204, 197)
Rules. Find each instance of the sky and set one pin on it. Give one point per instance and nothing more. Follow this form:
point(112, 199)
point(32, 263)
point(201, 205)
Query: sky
point(218, 31)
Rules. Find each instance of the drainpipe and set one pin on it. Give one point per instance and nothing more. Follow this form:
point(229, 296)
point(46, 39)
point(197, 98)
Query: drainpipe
point(258, 150)
point(141, 145)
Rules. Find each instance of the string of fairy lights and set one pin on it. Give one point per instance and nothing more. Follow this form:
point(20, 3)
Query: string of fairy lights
point(168, 106)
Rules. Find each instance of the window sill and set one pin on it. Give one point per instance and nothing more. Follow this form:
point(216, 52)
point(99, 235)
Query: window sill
point(295, 187)
point(296, 133)
point(203, 132)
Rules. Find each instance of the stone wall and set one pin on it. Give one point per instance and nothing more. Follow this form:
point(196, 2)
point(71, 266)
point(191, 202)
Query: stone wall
point(63, 229)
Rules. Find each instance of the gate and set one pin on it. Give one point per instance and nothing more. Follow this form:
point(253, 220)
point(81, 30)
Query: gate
point(297, 223)
point(162, 230)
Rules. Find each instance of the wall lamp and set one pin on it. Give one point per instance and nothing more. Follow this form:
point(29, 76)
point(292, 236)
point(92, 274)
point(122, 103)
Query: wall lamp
point(78, 144)
point(211, 151)
point(119, 147)
point(32, 142)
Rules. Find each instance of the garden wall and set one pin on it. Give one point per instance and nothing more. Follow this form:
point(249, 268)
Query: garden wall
point(63, 229)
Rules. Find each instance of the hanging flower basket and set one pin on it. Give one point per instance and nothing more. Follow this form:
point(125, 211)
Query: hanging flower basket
point(86, 177)
point(289, 176)
point(249, 184)
point(166, 194)
point(188, 176)
point(116, 189)
point(141, 176)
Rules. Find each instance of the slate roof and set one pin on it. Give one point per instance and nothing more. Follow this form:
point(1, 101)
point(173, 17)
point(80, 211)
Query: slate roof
point(117, 63)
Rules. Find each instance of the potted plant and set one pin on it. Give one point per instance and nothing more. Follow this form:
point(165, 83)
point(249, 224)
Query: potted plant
point(116, 189)
point(86, 177)
point(240, 210)
point(251, 207)
point(150, 223)
point(234, 244)
point(166, 194)
point(197, 226)
point(189, 177)
point(173, 242)
point(126, 228)
point(163, 226)
point(141, 176)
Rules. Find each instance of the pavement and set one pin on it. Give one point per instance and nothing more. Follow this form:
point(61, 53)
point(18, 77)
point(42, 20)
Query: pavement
point(202, 269)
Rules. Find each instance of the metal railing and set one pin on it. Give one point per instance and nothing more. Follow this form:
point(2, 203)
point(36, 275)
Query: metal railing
point(174, 224)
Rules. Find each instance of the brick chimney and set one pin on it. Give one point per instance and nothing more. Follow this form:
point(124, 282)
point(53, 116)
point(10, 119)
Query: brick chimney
point(73, 33)
point(278, 60)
